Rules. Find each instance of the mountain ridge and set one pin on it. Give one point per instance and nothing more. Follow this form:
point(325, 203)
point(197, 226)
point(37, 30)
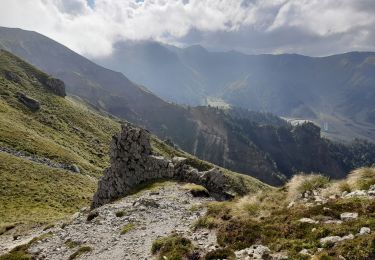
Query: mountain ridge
point(334, 90)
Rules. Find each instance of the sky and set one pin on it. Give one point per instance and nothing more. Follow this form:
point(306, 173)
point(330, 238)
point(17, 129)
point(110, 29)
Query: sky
point(309, 27)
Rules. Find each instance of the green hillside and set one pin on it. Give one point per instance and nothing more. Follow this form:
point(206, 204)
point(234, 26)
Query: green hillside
point(32, 193)
point(64, 130)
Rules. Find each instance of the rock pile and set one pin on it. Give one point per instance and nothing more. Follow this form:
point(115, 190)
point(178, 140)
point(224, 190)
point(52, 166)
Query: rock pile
point(133, 163)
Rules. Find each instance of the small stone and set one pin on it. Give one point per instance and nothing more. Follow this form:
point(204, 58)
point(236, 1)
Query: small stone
point(308, 220)
point(356, 193)
point(333, 221)
point(330, 240)
point(348, 237)
point(291, 204)
point(304, 252)
point(349, 216)
point(365, 231)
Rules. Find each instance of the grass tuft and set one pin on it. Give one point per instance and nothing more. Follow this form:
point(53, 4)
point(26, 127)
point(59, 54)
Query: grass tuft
point(82, 250)
point(196, 190)
point(173, 247)
point(20, 252)
point(303, 182)
point(221, 253)
point(127, 228)
point(362, 178)
point(120, 213)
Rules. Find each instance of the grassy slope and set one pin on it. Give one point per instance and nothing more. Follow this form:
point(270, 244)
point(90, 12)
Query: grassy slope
point(266, 219)
point(31, 192)
point(63, 130)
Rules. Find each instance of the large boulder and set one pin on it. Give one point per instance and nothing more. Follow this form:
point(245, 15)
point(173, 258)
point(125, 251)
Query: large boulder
point(9, 75)
point(56, 86)
point(29, 102)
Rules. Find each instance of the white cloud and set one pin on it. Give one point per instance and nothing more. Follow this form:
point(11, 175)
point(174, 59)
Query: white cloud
point(308, 26)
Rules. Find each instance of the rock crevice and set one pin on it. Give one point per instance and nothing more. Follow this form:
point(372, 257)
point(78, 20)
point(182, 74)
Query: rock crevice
point(133, 163)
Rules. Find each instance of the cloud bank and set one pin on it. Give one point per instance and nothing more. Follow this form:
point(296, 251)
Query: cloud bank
point(312, 27)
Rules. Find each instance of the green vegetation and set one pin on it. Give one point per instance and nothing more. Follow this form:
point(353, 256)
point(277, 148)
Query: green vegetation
point(362, 178)
point(196, 190)
point(82, 250)
point(64, 129)
point(127, 228)
point(264, 218)
point(93, 214)
point(173, 247)
point(34, 193)
point(71, 243)
point(313, 182)
point(221, 253)
point(150, 186)
point(6, 227)
point(20, 252)
point(301, 183)
point(205, 222)
point(120, 213)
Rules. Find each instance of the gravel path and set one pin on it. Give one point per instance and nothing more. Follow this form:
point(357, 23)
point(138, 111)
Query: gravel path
point(152, 214)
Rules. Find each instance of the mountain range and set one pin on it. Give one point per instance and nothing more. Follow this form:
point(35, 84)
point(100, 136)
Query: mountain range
point(335, 92)
point(255, 143)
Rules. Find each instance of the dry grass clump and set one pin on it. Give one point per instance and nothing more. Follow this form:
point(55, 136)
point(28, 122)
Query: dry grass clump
point(127, 228)
point(305, 182)
point(82, 250)
point(258, 205)
point(362, 178)
point(359, 179)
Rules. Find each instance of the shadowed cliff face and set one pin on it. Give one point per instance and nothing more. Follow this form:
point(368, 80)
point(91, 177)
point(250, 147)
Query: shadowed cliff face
point(272, 152)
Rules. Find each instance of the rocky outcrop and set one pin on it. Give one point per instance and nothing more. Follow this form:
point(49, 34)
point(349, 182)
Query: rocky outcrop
point(9, 75)
point(32, 104)
point(133, 163)
point(56, 86)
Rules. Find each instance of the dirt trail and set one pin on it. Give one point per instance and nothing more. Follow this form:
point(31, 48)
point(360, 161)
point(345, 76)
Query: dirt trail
point(151, 214)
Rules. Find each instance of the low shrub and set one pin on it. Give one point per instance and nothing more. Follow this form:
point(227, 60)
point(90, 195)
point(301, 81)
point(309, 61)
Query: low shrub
point(221, 253)
point(120, 214)
point(173, 247)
